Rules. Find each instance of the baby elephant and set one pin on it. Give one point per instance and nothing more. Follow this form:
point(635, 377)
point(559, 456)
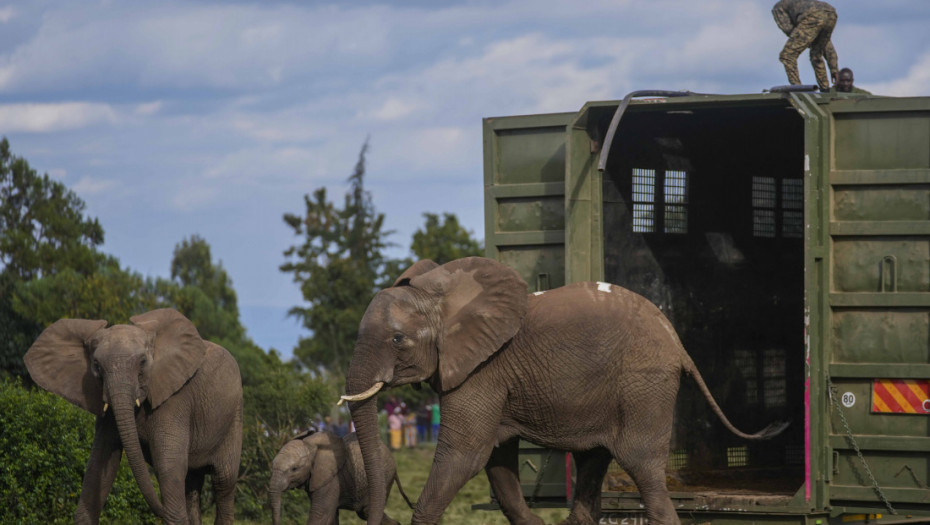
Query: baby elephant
point(331, 470)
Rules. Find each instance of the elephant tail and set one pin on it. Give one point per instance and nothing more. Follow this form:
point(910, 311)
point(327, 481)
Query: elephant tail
point(774, 429)
point(401, 490)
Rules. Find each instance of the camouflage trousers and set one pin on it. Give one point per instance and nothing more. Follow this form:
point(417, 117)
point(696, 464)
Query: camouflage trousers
point(813, 31)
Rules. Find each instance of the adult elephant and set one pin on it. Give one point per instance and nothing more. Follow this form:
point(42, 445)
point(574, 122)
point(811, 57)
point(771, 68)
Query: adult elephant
point(589, 368)
point(176, 403)
point(331, 470)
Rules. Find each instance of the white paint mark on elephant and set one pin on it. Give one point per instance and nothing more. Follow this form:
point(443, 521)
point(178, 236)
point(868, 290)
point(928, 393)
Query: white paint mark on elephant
point(603, 287)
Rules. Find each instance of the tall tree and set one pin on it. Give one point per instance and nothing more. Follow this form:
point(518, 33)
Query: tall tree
point(338, 264)
point(204, 292)
point(109, 293)
point(444, 240)
point(43, 233)
point(42, 223)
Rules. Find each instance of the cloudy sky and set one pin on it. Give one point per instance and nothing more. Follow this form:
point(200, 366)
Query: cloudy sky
point(215, 118)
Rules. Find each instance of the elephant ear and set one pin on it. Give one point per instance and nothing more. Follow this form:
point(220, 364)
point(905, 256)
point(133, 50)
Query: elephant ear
point(59, 361)
point(327, 455)
point(418, 268)
point(177, 354)
point(482, 303)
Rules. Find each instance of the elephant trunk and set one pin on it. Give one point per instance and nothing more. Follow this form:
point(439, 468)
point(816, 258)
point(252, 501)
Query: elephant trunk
point(365, 415)
point(126, 425)
point(275, 496)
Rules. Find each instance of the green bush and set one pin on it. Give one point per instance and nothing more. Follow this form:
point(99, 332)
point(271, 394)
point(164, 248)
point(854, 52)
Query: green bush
point(44, 446)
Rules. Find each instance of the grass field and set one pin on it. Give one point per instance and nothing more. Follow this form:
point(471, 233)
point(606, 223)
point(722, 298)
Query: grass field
point(413, 466)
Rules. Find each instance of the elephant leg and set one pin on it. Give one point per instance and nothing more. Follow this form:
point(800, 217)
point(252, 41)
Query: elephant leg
point(468, 433)
point(324, 504)
point(169, 458)
point(503, 474)
point(226, 471)
point(591, 467)
point(452, 468)
point(101, 472)
point(173, 495)
point(193, 487)
point(644, 455)
point(224, 489)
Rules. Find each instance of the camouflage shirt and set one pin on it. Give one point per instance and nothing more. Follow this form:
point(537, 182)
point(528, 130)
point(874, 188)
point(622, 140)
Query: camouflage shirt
point(787, 12)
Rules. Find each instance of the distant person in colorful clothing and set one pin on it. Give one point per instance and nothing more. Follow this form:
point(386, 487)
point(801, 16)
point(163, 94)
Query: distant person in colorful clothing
point(395, 425)
point(808, 24)
point(845, 83)
point(424, 416)
point(435, 420)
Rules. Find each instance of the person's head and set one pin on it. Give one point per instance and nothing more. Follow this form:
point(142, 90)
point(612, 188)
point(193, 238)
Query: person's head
point(844, 83)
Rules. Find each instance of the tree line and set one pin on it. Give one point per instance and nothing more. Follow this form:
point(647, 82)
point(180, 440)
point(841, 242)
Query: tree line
point(53, 267)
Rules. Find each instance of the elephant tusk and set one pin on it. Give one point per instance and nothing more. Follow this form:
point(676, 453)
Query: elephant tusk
point(138, 404)
point(364, 395)
point(105, 407)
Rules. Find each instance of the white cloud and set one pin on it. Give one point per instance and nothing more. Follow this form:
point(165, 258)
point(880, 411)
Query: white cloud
point(6, 14)
point(524, 74)
point(394, 109)
point(433, 149)
point(92, 186)
point(291, 125)
point(192, 197)
point(148, 109)
point(210, 46)
point(45, 118)
point(915, 83)
point(739, 36)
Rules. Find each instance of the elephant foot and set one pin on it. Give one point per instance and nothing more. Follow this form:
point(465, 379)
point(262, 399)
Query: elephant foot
point(573, 519)
point(529, 519)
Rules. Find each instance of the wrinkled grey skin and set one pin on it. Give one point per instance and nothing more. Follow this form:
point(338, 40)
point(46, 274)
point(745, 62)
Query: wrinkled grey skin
point(589, 368)
point(331, 471)
point(161, 394)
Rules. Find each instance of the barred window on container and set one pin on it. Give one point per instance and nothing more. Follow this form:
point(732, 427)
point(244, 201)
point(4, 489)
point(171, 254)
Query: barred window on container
point(644, 189)
point(763, 206)
point(676, 201)
point(792, 204)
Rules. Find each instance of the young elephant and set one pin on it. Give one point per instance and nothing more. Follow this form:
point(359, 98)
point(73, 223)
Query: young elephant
point(331, 470)
point(162, 394)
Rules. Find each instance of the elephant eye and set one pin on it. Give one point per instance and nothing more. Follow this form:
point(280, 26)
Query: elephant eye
point(97, 369)
point(398, 339)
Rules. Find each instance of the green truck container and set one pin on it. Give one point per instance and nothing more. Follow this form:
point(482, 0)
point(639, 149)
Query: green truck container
point(787, 237)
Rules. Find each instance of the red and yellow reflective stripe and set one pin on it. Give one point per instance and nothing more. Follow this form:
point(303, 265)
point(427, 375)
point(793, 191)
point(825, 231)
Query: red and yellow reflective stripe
point(901, 396)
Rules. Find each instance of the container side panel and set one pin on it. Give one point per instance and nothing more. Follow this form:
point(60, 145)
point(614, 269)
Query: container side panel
point(531, 214)
point(879, 203)
point(881, 263)
point(882, 140)
point(524, 159)
point(880, 298)
point(531, 155)
point(870, 335)
point(541, 266)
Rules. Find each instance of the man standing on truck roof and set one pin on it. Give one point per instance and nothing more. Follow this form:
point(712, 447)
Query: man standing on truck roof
point(808, 24)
